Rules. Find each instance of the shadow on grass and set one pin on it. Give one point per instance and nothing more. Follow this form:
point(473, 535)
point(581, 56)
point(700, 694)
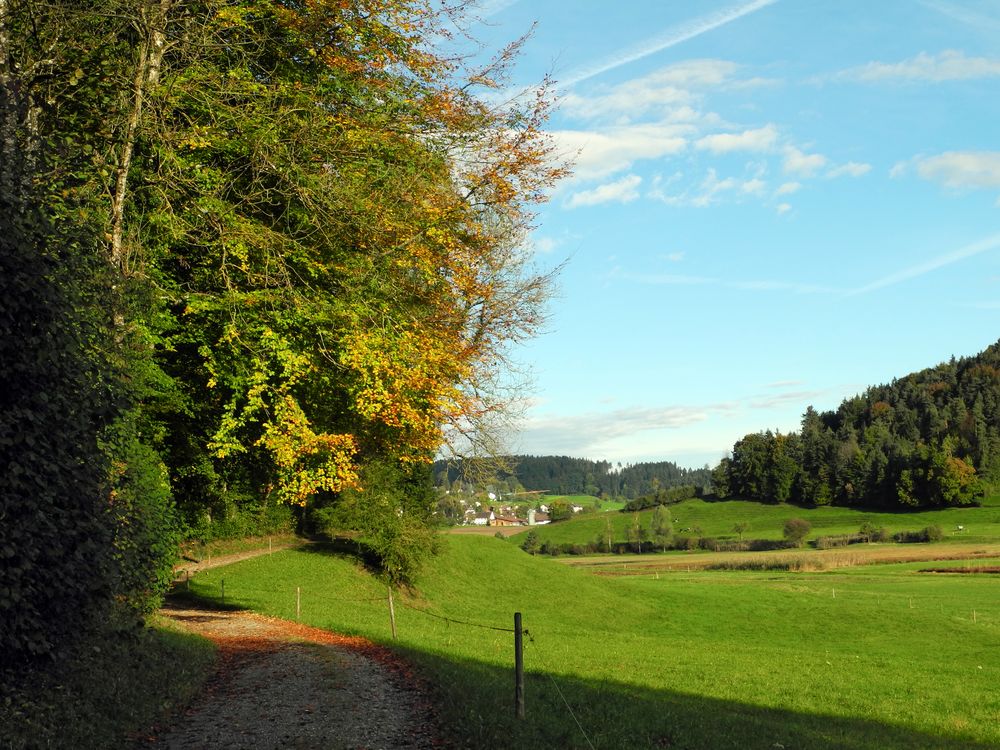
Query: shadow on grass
point(475, 704)
point(476, 707)
point(353, 549)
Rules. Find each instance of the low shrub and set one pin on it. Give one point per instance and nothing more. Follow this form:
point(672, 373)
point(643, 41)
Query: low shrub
point(685, 542)
point(926, 534)
point(830, 542)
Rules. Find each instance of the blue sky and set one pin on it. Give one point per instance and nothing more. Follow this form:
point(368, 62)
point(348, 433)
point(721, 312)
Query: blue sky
point(775, 203)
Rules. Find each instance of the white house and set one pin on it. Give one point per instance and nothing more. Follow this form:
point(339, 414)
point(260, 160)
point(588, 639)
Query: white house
point(484, 519)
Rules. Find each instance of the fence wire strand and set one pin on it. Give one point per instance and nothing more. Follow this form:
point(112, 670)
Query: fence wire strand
point(457, 622)
point(562, 697)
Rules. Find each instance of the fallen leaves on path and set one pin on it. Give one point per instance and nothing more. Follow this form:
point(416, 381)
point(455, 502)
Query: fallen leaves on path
point(281, 684)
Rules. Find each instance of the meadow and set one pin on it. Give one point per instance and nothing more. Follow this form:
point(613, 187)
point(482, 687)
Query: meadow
point(874, 656)
point(716, 519)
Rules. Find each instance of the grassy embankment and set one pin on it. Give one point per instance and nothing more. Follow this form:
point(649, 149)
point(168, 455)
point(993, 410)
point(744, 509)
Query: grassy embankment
point(109, 689)
point(868, 657)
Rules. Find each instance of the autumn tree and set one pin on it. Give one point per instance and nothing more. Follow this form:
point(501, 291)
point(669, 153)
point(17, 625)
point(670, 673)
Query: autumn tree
point(334, 218)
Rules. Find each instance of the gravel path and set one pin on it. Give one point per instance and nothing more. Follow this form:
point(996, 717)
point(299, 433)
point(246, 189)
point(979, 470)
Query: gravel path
point(280, 684)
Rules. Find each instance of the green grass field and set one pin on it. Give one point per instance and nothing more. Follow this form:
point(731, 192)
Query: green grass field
point(867, 657)
point(716, 519)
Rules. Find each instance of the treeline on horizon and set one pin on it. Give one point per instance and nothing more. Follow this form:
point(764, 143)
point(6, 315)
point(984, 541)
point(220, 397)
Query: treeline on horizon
point(563, 475)
point(929, 439)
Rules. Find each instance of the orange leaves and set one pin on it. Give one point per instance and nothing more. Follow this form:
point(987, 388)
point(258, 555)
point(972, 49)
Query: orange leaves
point(406, 380)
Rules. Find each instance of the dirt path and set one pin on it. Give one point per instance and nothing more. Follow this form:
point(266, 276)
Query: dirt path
point(279, 684)
point(189, 566)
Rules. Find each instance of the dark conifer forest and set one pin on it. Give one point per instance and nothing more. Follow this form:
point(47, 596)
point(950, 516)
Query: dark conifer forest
point(928, 439)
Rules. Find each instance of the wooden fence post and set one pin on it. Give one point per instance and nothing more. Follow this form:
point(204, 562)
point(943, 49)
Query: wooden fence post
point(392, 614)
point(518, 667)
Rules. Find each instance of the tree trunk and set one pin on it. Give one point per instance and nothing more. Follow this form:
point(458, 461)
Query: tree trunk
point(153, 26)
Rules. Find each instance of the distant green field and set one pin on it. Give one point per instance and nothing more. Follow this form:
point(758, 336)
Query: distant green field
point(587, 501)
point(716, 519)
point(882, 657)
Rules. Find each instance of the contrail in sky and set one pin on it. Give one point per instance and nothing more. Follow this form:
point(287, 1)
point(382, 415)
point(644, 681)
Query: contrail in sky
point(933, 264)
point(669, 38)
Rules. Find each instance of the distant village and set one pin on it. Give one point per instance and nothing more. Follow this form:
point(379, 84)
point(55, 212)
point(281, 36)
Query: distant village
point(491, 510)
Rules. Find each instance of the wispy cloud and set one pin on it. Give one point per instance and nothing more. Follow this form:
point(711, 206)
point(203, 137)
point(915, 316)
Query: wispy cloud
point(669, 38)
point(793, 287)
point(851, 169)
point(950, 65)
point(989, 243)
point(787, 188)
point(711, 190)
point(783, 399)
point(589, 434)
point(670, 92)
point(760, 285)
point(624, 190)
point(490, 8)
point(964, 14)
point(784, 384)
point(759, 139)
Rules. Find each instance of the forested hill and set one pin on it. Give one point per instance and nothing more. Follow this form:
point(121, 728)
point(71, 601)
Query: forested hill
point(928, 439)
point(563, 475)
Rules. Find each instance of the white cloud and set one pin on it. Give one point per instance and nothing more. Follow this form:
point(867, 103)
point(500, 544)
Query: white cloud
point(544, 245)
point(760, 139)
point(797, 162)
point(674, 257)
point(787, 188)
point(851, 169)
point(899, 169)
point(711, 186)
point(962, 169)
point(784, 208)
point(670, 95)
point(600, 153)
point(950, 65)
point(624, 190)
point(756, 186)
point(666, 39)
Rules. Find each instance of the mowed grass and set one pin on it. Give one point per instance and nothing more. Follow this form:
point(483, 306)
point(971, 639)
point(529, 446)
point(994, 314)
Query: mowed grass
point(882, 657)
point(717, 519)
